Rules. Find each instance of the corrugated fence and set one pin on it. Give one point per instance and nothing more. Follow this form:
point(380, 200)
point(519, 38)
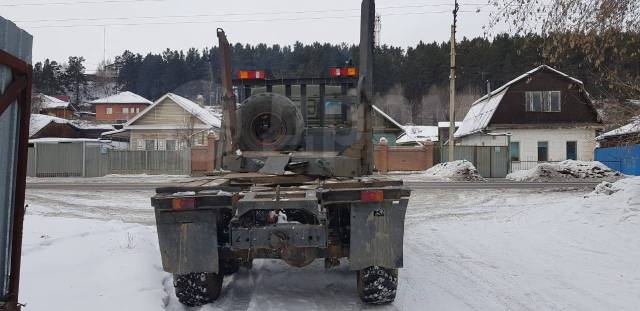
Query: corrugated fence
point(80, 159)
point(625, 159)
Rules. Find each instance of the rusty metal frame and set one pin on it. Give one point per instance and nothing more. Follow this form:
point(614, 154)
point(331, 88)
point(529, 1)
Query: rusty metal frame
point(19, 91)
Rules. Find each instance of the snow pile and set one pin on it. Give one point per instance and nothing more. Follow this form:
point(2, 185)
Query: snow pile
point(566, 170)
point(460, 170)
point(606, 187)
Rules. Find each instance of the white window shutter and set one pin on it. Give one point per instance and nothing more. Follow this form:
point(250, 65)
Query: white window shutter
point(161, 144)
point(140, 144)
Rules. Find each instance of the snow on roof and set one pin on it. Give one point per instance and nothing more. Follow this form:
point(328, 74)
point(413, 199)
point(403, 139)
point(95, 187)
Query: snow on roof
point(202, 114)
point(386, 116)
point(39, 121)
point(478, 117)
point(88, 125)
point(50, 102)
point(122, 98)
point(525, 75)
point(631, 128)
point(418, 134)
point(446, 124)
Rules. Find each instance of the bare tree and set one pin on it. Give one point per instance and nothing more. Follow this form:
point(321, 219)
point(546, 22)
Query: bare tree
point(591, 29)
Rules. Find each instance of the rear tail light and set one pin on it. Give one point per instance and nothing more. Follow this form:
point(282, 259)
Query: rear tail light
point(252, 75)
point(371, 196)
point(183, 203)
point(343, 72)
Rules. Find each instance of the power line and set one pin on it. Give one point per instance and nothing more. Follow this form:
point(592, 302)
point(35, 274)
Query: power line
point(75, 2)
point(241, 20)
point(223, 14)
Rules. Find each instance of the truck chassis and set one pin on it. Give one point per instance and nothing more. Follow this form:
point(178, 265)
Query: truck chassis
point(210, 227)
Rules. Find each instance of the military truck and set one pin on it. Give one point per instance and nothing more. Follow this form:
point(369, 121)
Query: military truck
point(295, 184)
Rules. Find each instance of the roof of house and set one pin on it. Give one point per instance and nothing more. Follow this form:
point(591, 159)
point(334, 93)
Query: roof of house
point(632, 128)
point(40, 121)
point(202, 114)
point(122, 98)
point(418, 134)
point(50, 102)
point(386, 116)
point(481, 112)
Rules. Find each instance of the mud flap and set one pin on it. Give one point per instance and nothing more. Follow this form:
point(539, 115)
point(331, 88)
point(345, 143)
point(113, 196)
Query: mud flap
point(188, 241)
point(377, 232)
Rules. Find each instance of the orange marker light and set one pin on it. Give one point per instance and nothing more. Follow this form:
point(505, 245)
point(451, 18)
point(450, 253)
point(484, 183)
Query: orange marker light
point(371, 196)
point(183, 203)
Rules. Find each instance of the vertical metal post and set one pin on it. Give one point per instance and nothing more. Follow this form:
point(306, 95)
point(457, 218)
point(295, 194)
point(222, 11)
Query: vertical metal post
point(321, 106)
point(365, 86)
point(452, 84)
point(84, 159)
point(303, 104)
point(228, 130)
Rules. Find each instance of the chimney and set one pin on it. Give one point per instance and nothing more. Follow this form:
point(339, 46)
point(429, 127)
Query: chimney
point(488, 87)
point(200, 100)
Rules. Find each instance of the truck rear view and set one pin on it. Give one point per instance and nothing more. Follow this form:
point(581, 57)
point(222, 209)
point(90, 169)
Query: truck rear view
point(297, 185)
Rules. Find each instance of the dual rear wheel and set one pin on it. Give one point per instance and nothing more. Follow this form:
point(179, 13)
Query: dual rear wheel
point(376, 285)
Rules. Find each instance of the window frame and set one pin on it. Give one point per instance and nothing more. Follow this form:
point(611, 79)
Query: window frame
point(575, 151)
point(546, 104)
point(546, 147)
point(511, 156)
point(108, 110)
point(125, 110)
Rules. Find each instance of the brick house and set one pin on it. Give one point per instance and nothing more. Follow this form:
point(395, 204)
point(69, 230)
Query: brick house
point(543, 115)
point(119, 108)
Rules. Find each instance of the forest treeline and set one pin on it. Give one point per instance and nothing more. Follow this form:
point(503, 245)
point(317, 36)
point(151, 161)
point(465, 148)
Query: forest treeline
point(416, 73)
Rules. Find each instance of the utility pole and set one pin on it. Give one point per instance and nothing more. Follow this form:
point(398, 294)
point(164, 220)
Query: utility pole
point(452, 83)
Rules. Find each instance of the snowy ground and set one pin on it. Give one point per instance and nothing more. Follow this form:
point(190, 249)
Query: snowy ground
point(464, 250)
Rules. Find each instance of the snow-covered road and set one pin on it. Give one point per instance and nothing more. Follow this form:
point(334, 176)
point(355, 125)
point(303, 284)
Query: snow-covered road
point(464, 250)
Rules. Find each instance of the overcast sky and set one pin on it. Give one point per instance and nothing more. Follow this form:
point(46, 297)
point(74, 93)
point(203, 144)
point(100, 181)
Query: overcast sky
point(68, 27)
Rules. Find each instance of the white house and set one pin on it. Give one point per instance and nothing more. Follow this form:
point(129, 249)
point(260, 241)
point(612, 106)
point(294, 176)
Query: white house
point(543, 115)
point(170, 123)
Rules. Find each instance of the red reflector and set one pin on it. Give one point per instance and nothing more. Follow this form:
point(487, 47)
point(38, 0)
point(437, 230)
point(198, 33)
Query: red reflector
point(252, 75)
point(371, 196)
point(183, 203)
point(343, 72)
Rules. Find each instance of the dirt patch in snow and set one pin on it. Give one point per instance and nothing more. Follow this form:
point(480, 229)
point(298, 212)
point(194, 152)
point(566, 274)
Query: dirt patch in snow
point(461, 170)
point(567, 170)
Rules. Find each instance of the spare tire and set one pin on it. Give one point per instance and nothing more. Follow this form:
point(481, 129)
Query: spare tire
point(270, 122)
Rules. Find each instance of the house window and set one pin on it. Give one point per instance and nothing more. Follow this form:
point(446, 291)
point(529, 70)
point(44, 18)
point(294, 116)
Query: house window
point(149, 144)
point(140, 144)
point(170, 144)
point(542, 101)
point(543, 151)
point(514, 149)
point(125, 110)
point(109, 110)
point(137, 110)
point(572, 150)
point(161, 144)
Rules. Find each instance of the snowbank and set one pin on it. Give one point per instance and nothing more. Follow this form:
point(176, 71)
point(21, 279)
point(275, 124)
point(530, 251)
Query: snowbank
point(461, 170)
point(567, 170)
point(76, 264)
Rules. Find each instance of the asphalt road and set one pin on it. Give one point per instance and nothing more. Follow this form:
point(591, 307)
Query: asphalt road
point(492, 184)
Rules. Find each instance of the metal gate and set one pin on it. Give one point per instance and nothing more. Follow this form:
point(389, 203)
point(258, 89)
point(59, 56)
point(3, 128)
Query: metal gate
point(490, 161)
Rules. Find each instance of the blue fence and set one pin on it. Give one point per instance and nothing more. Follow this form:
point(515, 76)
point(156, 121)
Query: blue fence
point(625, 159)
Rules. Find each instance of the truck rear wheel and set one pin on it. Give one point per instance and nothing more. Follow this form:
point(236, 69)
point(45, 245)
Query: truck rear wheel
point(197, 289)
point(377, 285)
